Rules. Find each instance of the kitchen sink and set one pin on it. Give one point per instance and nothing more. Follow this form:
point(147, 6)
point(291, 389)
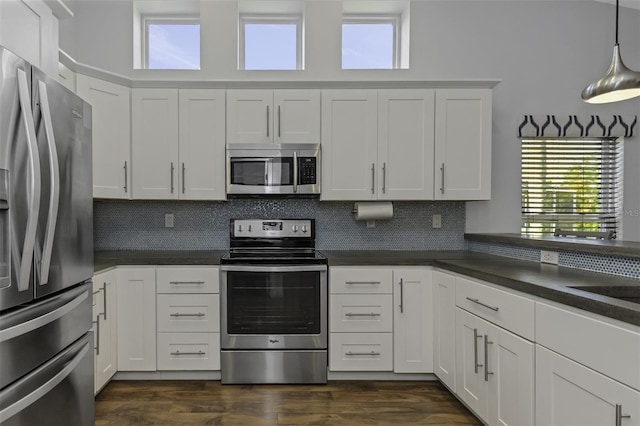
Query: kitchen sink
point(630, 293)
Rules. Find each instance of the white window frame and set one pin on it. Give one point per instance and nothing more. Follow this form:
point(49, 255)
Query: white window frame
point(373, 19)
point(162, 20)
point(279, 19)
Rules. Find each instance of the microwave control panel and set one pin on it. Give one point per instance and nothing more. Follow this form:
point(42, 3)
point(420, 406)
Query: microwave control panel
point(307, 171)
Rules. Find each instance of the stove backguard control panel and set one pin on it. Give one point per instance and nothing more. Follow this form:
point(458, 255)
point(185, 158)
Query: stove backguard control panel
point(289, 228)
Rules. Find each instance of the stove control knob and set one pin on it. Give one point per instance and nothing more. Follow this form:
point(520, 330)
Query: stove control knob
point(294, 228)
point(249, 228)
point(304, 229)
point(239, 228)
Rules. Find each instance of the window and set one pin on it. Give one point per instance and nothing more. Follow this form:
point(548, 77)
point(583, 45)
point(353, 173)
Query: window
point(571, 184)
point(370, 42)
point(270, 42)
point(171, 43)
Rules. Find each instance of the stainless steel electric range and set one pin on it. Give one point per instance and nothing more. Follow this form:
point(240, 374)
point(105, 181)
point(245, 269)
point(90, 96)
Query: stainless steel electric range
point(273, 304)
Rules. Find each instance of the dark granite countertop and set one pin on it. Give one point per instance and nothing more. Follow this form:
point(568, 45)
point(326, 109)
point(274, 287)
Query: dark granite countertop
point(108, 259)
point(601, 247)
point(551, 282)
point(388, 257)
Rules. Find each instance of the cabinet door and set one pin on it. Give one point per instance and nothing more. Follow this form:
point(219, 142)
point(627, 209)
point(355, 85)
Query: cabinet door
point(470, 384)
point(405, 144)
point(155, 143)
point(202, 145)
point(250, 116)
point(104, 286)
point(509, 372)
point(444, 317)
point(296, 116)
point(412, 321)
point(349, 144)
point(111, 121)
point(463, 144)
point(136, 319)
point(570, 394)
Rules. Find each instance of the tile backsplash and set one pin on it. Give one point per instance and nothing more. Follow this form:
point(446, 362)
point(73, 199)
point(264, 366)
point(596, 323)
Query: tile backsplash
point(204, 225)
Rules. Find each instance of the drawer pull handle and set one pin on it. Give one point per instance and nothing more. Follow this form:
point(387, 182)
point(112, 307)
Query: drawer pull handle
point(362, 282)
point(493, 308)
point(188, 353)
point(620, 416)
point(372, 353)
point(372, 314)
point(178, 314)
point(186, 282)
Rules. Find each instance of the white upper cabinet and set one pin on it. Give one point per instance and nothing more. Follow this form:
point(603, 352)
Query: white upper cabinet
point(273, 116)
point(463, 144)
point(349, 144)
point(178, 144)
point(405, 144)
point(111, 121)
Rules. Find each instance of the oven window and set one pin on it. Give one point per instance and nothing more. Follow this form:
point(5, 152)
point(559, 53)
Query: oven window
point(273, 303)
point(262, 171)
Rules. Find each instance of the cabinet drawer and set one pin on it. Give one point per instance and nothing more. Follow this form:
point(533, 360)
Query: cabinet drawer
point(188, 312)
point(188, 351)
point(606, 348)
point(360, 280)
point(507, 310)
point(361, 351)
point(370, 313)
point(188, 280)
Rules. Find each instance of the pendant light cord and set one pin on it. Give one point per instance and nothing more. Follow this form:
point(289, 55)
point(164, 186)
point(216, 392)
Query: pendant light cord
point(617, 8)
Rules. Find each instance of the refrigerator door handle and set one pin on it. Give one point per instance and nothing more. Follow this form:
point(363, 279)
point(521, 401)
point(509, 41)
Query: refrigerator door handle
point(50, 315)
point(34, 202)
point(47, 386)
point(52, 219)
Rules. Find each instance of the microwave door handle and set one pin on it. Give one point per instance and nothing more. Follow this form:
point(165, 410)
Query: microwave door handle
point(295, 172)
point(34, 201)
point(55, 185)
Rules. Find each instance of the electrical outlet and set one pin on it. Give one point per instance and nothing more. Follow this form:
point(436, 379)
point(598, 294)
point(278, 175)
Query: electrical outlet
point(549, 257)
point(436, 221)
point(168, 220)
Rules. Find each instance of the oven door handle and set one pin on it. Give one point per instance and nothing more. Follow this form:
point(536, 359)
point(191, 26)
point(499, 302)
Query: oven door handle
point(264, 268)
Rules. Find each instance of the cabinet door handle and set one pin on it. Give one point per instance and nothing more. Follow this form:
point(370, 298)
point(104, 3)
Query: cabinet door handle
point(486, 358)
point(267, 120)
point(178, 314)
point(372, 353)
point(372, 314)
point(97, 323)
point(620, 416)
point(493, 308)
point(104, 300)
point(188, 353)
point(125, 178)
point(442, 179)
point(373, 177)
point(172, 177)
point(279, 123)
point(183, 174)
point(384, 178)
point(476, 336)
point(401, 296)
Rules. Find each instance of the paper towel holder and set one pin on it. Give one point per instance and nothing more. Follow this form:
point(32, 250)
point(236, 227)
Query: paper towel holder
point(371, 223)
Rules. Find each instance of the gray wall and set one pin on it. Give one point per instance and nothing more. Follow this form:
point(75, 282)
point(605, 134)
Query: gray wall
point(544, 52)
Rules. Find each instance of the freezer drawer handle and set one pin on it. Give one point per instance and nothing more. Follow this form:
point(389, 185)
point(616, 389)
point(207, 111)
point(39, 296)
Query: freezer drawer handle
point(188, 353)
point(26, 327)
point(41, 391)
point(34, 202)
point(54, 201)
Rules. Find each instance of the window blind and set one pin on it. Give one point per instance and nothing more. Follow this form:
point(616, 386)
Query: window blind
point(571, 184)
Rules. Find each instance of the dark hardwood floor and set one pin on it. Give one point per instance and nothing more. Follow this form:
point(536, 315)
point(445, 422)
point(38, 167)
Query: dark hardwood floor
point(338, 403)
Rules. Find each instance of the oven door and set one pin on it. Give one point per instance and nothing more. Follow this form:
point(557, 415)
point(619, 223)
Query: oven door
point(273, 307)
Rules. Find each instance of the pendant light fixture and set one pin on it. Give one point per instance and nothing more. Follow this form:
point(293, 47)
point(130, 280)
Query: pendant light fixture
point(620, 83)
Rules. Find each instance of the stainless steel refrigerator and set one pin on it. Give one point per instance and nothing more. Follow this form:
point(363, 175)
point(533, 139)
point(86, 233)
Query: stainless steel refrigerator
point(46, 250)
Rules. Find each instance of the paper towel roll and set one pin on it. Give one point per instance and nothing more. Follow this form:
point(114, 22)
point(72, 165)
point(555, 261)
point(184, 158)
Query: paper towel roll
point(373, 210)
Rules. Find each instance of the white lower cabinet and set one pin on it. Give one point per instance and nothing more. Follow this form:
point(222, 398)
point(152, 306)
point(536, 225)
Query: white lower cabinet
point(361, 352)
point(105, 328)
point(568, 393)
point(444, 328)
point(188, 318)
point(495, 371)
point(136, 319)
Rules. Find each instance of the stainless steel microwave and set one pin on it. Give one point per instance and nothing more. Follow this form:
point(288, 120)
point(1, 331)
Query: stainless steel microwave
point(272, 169)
